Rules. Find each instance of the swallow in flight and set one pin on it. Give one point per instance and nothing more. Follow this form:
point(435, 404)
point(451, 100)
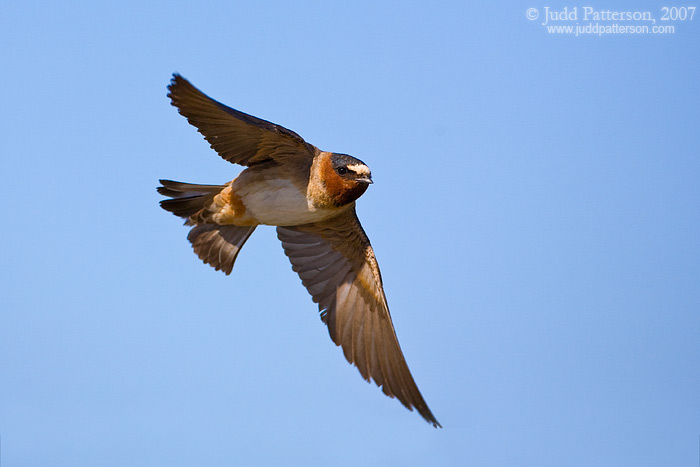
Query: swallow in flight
point(309, 195)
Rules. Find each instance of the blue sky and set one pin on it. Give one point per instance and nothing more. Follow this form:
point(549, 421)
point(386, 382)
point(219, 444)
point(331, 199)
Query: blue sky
point(535, 213)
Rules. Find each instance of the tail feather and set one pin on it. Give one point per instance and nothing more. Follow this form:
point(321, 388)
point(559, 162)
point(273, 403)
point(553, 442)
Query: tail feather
point(217, 245)
point(186, 199)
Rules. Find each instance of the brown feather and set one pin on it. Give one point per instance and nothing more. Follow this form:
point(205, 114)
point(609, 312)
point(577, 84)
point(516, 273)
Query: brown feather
point(236, 136)
point(352, 302)
point(187, 198)
point(219, 245)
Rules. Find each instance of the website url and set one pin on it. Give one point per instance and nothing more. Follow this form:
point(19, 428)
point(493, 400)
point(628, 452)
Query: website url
point(598, 29)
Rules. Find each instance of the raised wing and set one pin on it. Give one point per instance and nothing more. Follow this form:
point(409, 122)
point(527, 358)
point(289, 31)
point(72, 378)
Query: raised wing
point(236, 136)
point(337, 265)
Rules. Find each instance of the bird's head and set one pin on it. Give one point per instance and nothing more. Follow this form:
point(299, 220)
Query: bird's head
point(351, 169)
point(344, 177)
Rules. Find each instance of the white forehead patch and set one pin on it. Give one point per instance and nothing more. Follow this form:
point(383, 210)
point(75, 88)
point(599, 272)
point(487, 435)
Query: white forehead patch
point(359, 169)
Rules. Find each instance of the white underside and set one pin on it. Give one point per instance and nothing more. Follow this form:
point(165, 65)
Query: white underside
point(279, 202)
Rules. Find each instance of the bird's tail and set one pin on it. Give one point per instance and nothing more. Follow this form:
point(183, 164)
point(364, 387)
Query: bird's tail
point(187, 199)
point(217, 245)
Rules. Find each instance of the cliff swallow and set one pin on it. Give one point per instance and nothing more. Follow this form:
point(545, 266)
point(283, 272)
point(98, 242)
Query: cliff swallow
point(310, 196)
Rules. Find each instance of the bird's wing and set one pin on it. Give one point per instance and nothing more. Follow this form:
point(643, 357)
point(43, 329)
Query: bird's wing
point(337, 266)
point(219, 245)
point(236, 136)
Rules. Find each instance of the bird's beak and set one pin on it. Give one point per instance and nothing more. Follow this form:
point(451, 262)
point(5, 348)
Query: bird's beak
point(367, 179)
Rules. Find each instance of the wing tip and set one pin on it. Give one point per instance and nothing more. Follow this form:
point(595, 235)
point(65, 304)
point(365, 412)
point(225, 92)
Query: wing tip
point(423, 411)
point(420, 406)
point(430, 418)
point(176, 79)
point(178, 87)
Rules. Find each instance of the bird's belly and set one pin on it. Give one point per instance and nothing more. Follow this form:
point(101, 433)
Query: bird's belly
point(279, 202)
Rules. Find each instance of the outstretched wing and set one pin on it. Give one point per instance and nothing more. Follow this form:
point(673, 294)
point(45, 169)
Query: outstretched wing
point(219, 245)
point(337, 266)
point(236, 136)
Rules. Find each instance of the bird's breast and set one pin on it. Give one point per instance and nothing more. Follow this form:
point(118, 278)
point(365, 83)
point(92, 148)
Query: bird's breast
point(279, 201)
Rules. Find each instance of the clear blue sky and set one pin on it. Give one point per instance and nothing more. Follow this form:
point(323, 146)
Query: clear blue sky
point(535, 213)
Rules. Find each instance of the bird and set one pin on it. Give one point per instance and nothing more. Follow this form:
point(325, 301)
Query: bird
point(309, 195)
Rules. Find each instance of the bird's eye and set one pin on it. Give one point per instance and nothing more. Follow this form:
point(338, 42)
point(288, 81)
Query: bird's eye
point(341, 170)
